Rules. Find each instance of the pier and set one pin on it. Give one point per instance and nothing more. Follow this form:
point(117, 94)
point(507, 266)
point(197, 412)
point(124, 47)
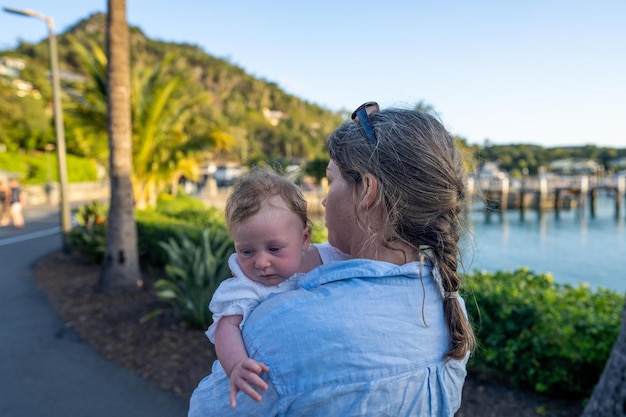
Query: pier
point(546, 192)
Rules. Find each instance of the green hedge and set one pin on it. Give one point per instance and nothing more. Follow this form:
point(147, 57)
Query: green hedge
point(183, 216)
point(534, 332)
point(174, 217)
point(35, 168)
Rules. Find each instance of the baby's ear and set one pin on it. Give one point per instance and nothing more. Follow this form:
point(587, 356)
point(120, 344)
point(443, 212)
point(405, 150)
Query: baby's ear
point(306, 235)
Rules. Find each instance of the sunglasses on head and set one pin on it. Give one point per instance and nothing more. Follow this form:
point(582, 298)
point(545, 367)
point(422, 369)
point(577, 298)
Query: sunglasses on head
point(362, 115)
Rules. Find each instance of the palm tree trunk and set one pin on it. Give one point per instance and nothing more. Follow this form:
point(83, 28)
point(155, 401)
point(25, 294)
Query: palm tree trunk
point(609, 395)
point(120, 268)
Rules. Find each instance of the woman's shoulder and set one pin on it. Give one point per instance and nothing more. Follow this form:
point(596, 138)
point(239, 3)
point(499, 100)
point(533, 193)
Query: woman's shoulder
point(365, 269)
point(329, 253)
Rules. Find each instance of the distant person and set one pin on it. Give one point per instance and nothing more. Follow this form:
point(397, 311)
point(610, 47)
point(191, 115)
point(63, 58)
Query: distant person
point(385, 333)
point(267, 218)
point(17, 202)
point(5, 205)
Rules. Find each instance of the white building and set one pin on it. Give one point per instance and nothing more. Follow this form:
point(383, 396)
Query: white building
point(11, 67)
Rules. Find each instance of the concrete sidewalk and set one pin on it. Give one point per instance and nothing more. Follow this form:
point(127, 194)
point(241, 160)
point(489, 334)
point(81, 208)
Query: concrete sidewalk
point(45, 368)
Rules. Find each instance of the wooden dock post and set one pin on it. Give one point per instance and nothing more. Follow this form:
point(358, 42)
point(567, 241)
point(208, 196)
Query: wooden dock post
point(522, 199)
point(620, 193)
point(504, 202)
point(593, 198)
point(584, 189)
point(543, 191)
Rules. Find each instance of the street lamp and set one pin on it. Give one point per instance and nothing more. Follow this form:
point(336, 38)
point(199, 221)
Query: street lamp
point(58, 124)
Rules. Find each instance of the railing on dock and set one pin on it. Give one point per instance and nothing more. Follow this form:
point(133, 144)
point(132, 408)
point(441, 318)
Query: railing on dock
point(549, 192)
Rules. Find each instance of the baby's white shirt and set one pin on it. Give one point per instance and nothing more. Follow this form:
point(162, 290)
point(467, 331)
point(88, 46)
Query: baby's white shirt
point(239, 295)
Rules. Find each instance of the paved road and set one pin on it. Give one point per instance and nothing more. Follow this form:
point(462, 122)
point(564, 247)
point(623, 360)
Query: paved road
point(45, 368)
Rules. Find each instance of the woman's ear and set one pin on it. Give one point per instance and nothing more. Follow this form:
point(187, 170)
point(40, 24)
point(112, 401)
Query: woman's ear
point(369, 193)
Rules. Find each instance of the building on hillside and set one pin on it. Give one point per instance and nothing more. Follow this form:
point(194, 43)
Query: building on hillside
point(618, 163)
point(11, 67)
point(25, 88)
point(575, 166)
point(490, 170)
point(274, 116)
point(487, 173)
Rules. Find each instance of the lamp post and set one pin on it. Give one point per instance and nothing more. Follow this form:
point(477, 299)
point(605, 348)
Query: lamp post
point(58, 124)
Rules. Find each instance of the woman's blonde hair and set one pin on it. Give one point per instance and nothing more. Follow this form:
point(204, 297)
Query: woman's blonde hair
point(422, 191)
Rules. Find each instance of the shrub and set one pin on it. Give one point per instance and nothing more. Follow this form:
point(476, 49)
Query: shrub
point(174, 217)
point(172, 205)
point(154, 227)
point(319, 233)
point(89, 235)
point(531, 331)
point(193, 274)
point(36, 168)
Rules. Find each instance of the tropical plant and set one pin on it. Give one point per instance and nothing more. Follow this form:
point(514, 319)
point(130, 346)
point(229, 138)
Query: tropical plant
point(164, 146)
point(87, 113)
point(163, 149)
point(193, 274)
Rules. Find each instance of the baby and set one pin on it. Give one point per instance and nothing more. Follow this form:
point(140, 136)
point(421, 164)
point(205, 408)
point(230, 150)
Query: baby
point(267, 219)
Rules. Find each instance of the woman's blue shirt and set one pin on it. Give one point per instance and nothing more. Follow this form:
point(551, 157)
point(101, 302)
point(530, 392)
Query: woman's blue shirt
point(358, 338)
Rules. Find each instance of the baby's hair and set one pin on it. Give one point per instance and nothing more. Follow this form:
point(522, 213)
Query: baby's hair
point(252, 191)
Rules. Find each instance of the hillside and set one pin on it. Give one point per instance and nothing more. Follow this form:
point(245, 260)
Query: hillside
point(255, 117)
point(234, 116)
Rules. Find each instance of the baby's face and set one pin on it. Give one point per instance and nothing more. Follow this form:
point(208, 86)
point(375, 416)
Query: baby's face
point(269, 245)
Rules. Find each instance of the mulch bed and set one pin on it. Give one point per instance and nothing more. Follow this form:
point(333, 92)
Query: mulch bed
point(175, 358)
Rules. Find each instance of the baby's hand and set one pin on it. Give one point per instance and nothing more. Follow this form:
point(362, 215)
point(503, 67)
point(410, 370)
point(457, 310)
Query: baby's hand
point(242, 375)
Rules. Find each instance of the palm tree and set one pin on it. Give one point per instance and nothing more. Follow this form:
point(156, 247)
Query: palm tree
point(609, 395)
point(162, 148)
point(87, 113)
point(120, 268)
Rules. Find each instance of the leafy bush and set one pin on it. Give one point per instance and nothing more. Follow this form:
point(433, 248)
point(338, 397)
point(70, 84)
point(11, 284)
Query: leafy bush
point(531, 331)
point(193, 274)
point(154, 227)
point(173, 217)
point(173, 205)
point(89, 236)
point(319, 233)
point(35, 168)
point(317, 168)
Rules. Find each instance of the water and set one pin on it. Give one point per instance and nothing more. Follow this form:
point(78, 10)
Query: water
point(574, 247)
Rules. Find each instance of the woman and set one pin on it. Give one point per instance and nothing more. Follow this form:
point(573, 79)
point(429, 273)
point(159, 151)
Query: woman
point(385, 333)
point(16, 201)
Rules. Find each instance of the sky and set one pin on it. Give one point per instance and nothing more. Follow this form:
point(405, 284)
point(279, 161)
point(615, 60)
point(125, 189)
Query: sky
point(549, 73)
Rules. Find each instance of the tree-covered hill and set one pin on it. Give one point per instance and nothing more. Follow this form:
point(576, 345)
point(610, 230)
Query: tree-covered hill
point(214, 108)
point(236, 115)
